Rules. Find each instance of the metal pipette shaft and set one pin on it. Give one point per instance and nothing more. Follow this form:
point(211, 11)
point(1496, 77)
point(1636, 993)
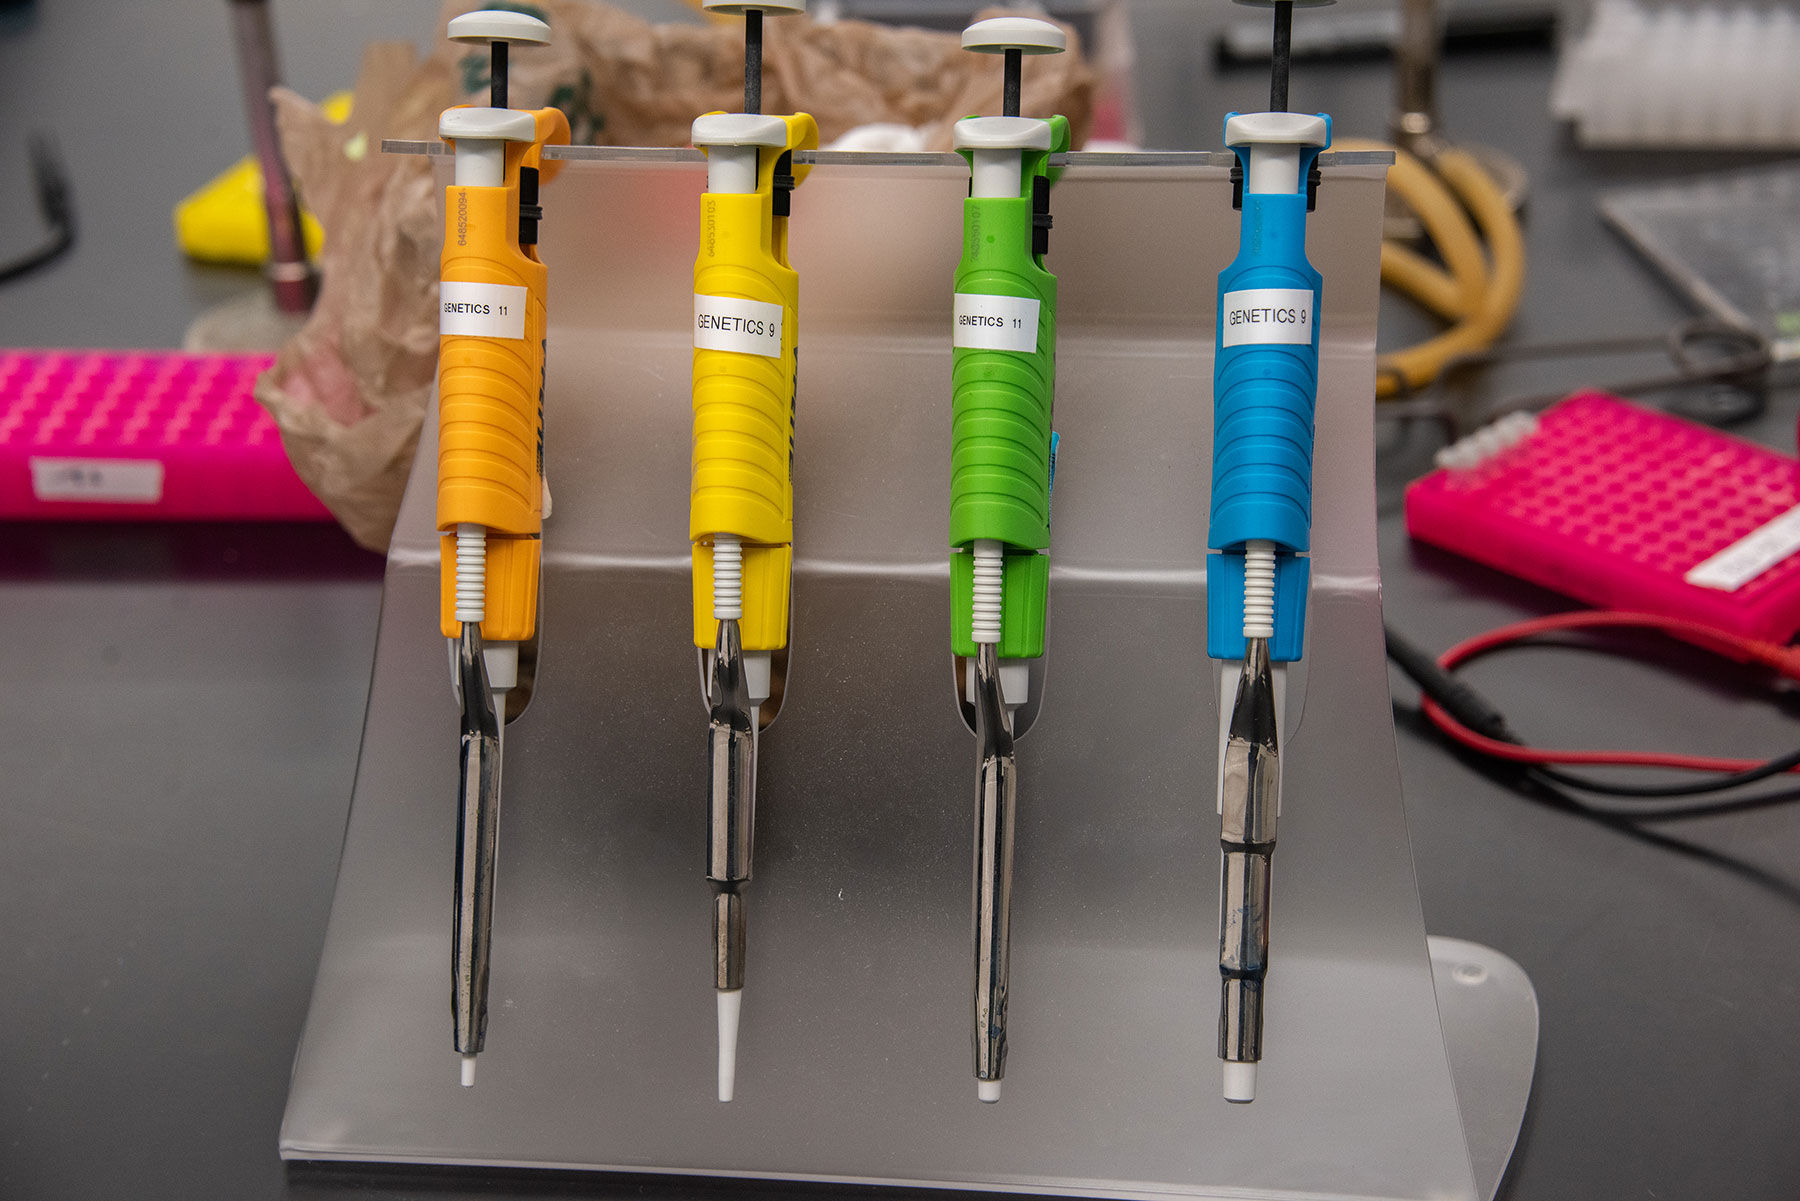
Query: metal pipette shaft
point(731, 823)
point(477, 835)
point(996, 787)
point(731, 797)
point(1250, 795)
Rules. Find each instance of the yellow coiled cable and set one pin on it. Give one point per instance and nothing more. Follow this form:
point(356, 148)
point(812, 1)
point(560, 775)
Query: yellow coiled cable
point(1477, 288)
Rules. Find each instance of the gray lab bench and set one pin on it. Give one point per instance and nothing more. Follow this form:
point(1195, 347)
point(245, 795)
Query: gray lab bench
point(180, 706)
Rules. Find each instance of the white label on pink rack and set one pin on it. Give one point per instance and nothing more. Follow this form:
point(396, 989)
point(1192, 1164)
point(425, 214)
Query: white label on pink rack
point(481, 310)
point(126, 481)
point(1751, 555)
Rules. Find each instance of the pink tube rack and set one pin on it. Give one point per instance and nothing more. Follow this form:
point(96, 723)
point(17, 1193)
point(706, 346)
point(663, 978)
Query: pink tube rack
point(144, 436)
point(1626, 508)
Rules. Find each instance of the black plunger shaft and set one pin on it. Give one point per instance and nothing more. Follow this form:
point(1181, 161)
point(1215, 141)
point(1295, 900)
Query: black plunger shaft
point(497, 77)
point(1015, 65)
point(1282, 58)
point(753, 60)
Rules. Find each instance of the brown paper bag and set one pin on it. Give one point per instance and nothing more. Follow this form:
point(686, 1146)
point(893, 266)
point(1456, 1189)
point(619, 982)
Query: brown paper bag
point(350, 390)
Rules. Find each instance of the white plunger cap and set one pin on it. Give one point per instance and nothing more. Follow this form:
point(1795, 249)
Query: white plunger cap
point(997, 35)
point(498, 25)
point(738, 8)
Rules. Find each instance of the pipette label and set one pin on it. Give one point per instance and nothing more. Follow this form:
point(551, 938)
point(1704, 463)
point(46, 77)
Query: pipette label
point(481, 310)
point(996, 323)
point(744, 326)
point(1267, 317)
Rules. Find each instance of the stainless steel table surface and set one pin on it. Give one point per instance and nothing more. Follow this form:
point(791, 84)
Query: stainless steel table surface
point(180, 706)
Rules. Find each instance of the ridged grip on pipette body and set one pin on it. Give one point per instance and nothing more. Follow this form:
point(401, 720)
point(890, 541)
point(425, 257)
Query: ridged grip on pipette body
point(1001, 406)
point(490, 392)
point(1265, 387)
point(742, 480)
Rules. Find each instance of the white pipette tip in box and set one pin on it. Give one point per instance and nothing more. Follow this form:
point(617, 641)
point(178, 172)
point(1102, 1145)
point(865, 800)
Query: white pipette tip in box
point(468, 1071)
point(1240, 1082)
point(988, 1091)
point(731, 1004)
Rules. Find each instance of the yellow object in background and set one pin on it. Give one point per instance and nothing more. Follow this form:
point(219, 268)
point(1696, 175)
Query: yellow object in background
point(225, 221)
point(1477, 289)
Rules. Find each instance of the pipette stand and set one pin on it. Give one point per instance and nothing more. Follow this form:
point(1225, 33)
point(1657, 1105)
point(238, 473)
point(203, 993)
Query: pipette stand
point(854, 1050)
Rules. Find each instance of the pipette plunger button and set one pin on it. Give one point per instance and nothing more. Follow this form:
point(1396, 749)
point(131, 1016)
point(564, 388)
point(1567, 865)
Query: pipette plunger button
point(738, 8)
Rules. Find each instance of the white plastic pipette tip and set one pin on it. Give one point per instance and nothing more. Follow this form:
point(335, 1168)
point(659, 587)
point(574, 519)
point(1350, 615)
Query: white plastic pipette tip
point(468, 1071)
point(730, 1005)
point(1240, 1082)
point(988, 1091)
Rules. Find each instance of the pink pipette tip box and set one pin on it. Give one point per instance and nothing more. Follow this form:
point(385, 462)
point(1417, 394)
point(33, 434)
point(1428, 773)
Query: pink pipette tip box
point(142, 435)
point(1625, 508)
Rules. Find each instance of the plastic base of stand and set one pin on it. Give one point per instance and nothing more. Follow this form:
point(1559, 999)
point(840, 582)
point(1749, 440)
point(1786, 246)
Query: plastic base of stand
point(1490, 1016)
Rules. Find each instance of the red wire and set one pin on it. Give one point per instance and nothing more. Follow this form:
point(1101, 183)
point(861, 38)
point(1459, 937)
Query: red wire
point(1732, 646)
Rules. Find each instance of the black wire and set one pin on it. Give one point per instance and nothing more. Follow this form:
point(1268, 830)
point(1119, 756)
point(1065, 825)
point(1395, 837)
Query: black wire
point(1723, 359)
point(1643, 809)
point(1632, 827)
point(1720, 783)
point(1469, 707)
point(1530, 784)
point(54, 202)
